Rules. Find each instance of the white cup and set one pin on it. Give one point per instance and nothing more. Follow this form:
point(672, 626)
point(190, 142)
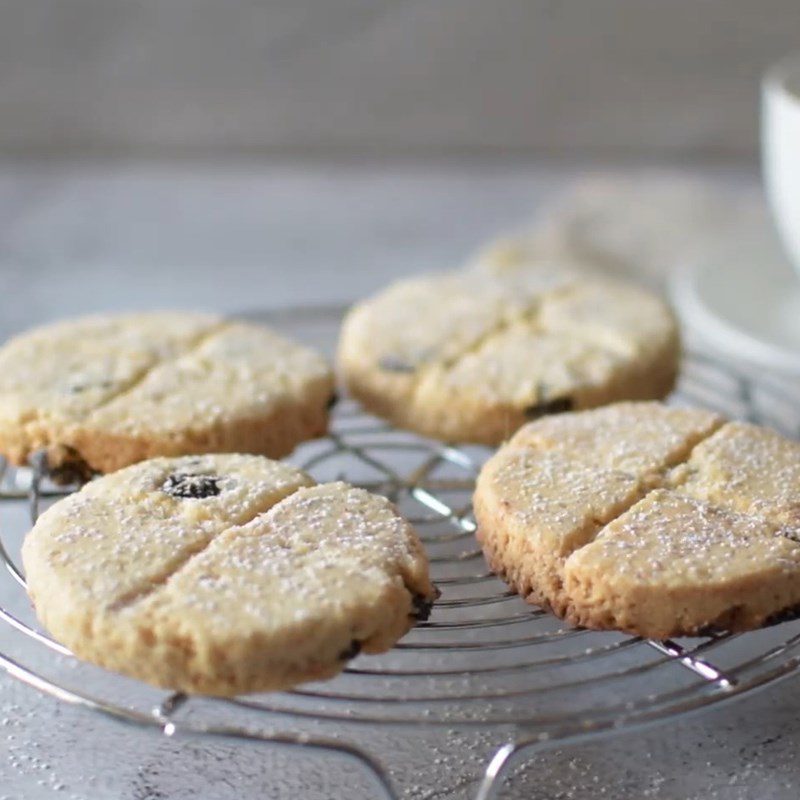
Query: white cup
point(780, 150)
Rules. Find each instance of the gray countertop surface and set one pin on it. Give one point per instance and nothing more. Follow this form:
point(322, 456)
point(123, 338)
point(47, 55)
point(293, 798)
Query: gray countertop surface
point(248, 236)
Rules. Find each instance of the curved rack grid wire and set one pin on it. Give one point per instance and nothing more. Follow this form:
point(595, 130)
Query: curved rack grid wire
point(484, 658)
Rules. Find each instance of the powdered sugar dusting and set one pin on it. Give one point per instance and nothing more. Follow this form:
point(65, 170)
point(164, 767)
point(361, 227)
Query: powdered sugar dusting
point(707, 507)
point(319, 552)
point(270, 568)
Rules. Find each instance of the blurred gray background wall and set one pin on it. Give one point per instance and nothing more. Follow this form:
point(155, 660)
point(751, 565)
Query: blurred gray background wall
point(628, 77)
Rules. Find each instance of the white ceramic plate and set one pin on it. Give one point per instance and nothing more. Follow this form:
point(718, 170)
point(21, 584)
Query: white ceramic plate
point(743, 300)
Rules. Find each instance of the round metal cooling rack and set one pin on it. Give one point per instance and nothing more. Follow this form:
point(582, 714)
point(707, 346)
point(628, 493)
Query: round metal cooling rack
point(484, 658)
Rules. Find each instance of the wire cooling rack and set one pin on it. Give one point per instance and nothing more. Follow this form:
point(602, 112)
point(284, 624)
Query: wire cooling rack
point(483, 660)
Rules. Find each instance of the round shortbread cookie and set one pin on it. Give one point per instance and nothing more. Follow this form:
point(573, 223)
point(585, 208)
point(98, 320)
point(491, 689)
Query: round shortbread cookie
point(108, 391)
point(653, 520)
point(471, 356)
point(224, 574)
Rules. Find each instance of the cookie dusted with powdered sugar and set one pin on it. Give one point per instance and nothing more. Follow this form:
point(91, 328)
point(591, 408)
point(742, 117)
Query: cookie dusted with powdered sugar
point(108, 391)
point(653, 520)
point(224, 574)
point(471, 356)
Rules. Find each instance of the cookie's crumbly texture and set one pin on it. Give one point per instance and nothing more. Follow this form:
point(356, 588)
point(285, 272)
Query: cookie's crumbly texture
point(653, 520)
point(471, 356)
point(224, 574)
point(110, 391)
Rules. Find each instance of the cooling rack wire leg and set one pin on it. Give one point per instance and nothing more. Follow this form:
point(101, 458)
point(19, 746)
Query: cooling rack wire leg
point(498, 766)
point(349, 752)
point(505, 758)
point(163, 715)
